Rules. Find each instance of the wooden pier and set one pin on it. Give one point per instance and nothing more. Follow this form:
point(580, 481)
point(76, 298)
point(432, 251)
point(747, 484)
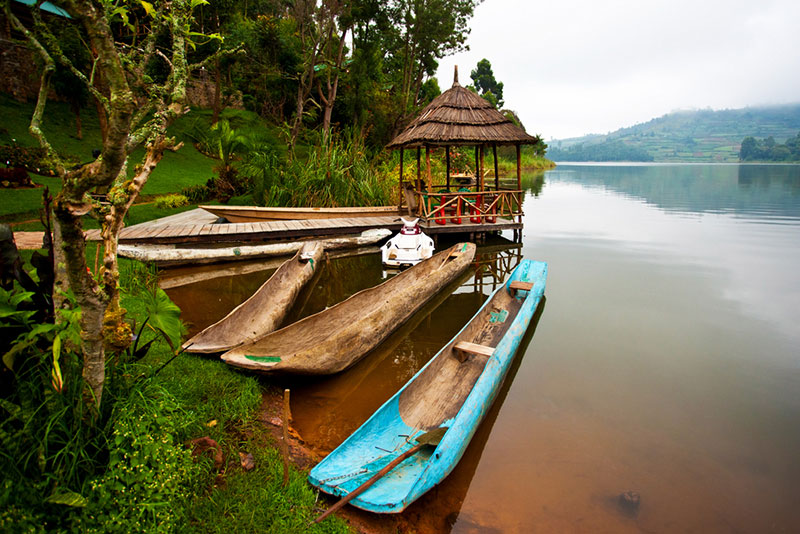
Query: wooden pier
point(200, 227)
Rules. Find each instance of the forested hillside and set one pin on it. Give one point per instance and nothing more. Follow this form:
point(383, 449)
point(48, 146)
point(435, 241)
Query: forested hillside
point(685, 136)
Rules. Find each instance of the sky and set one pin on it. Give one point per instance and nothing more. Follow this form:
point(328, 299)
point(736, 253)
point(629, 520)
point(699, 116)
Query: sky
point(576, 67)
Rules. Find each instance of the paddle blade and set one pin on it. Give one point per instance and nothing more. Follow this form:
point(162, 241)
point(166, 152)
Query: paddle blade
point(432, 437)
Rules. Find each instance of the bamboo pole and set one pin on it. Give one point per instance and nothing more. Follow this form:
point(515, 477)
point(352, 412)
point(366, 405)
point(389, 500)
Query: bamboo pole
point(519, 180)
point(496, 174)
point(428, 174)
point(480, 172)
point(399, 206)
point(447, 158)
point(419, 171)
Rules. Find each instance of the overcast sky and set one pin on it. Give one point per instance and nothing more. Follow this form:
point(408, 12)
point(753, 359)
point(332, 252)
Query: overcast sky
point(574, 67)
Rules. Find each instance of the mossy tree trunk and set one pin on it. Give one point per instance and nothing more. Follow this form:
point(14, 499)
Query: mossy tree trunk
point(138, 112)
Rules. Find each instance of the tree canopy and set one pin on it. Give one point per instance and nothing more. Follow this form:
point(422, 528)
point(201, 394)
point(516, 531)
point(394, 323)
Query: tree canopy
point(768, 149)
point(488, 87)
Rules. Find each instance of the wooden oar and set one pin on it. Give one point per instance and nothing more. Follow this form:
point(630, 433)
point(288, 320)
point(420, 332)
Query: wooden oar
point(431, 438)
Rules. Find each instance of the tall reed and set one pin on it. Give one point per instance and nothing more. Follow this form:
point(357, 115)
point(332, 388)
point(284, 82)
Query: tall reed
point(337, 171)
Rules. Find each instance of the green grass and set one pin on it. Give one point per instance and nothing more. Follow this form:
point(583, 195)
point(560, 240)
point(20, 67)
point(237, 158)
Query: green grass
point(176, 170)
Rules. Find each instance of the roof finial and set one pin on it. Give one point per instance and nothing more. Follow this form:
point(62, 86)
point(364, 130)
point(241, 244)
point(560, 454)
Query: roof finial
point(455, 76)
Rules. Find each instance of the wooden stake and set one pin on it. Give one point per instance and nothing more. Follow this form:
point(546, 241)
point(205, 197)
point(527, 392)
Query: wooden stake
point(285, 447)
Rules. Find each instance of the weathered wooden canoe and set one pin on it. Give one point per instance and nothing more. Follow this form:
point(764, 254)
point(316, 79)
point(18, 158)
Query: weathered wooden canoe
point(168, 255)
point(334, 339)
point(192, 274)
point(240, 214)
point(265, 310)
point(454, 390)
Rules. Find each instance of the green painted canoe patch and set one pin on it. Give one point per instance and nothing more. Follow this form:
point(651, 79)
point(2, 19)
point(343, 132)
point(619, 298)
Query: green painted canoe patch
point(263, 359)
point(498, 316)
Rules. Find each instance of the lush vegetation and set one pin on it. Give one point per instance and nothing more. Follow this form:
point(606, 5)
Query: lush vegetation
point(131, 469)
point(686, 136)
point(769, 150)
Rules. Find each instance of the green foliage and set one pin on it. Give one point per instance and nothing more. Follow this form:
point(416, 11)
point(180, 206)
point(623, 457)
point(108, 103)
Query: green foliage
point(149, 473)
point(336, 172)
point(484, 81)
point(171, 201)
point(29, 158)
point(607, 151)
point(769, 150)
point(164, 317)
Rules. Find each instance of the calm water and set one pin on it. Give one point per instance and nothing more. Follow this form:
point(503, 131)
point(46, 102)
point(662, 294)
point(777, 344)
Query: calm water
point(666, 358)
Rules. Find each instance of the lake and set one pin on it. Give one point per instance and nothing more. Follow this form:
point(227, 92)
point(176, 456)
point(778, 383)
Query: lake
point(664, 361)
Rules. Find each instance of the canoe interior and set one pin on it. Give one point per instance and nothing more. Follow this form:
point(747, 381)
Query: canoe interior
point(328, 341)
point(438, 393)
point(264, 311)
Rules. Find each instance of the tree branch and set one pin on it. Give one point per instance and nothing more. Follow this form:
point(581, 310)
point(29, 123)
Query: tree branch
point(44, 86)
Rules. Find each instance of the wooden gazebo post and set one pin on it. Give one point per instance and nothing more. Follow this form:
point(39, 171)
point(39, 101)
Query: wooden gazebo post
point(428, 174)
point(419, 171)
point(519, 178)
point(400, 205)
point(496, 175)
point(447, 158)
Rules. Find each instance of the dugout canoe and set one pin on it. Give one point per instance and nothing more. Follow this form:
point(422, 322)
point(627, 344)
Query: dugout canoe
point(263, 312)
point(334, 339)
point(169, 255)
point(241, 214)
point(453, 391)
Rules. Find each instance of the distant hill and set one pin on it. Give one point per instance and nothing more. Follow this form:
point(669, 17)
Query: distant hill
point(684, 136)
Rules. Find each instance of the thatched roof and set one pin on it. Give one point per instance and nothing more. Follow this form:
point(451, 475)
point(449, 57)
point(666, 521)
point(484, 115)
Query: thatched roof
point(460, 117)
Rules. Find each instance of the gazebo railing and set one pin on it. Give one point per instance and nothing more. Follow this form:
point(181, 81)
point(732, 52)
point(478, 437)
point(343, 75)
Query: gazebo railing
point(478, 207)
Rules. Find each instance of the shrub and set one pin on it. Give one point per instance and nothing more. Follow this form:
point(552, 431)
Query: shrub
point(171, 201)
point(15, 177)
point(198, 193)
point(149, 471)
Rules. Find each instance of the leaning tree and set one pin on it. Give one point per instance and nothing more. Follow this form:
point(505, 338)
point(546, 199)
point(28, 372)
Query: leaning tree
point(129, 40)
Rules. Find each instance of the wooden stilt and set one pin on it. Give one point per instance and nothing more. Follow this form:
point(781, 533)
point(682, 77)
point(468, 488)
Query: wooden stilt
point(496, 175)
point(447, 159)
point(419, 170)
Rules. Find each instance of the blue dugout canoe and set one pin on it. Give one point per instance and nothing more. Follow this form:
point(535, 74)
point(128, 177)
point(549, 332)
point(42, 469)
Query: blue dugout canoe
point(454, 390)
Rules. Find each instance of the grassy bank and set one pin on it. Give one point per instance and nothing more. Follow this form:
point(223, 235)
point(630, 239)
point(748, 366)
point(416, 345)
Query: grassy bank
point(137, 472)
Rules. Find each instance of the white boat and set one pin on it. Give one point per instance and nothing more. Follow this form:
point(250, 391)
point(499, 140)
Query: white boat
point(409, 247)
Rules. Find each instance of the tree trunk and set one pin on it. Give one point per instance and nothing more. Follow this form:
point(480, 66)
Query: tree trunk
point(217, 92)
point(78, 126)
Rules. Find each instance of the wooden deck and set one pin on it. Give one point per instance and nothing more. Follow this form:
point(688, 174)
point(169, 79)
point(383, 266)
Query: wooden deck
point(199, 226)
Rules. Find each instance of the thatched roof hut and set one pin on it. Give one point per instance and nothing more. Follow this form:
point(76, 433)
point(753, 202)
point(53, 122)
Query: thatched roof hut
point(460, 117)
